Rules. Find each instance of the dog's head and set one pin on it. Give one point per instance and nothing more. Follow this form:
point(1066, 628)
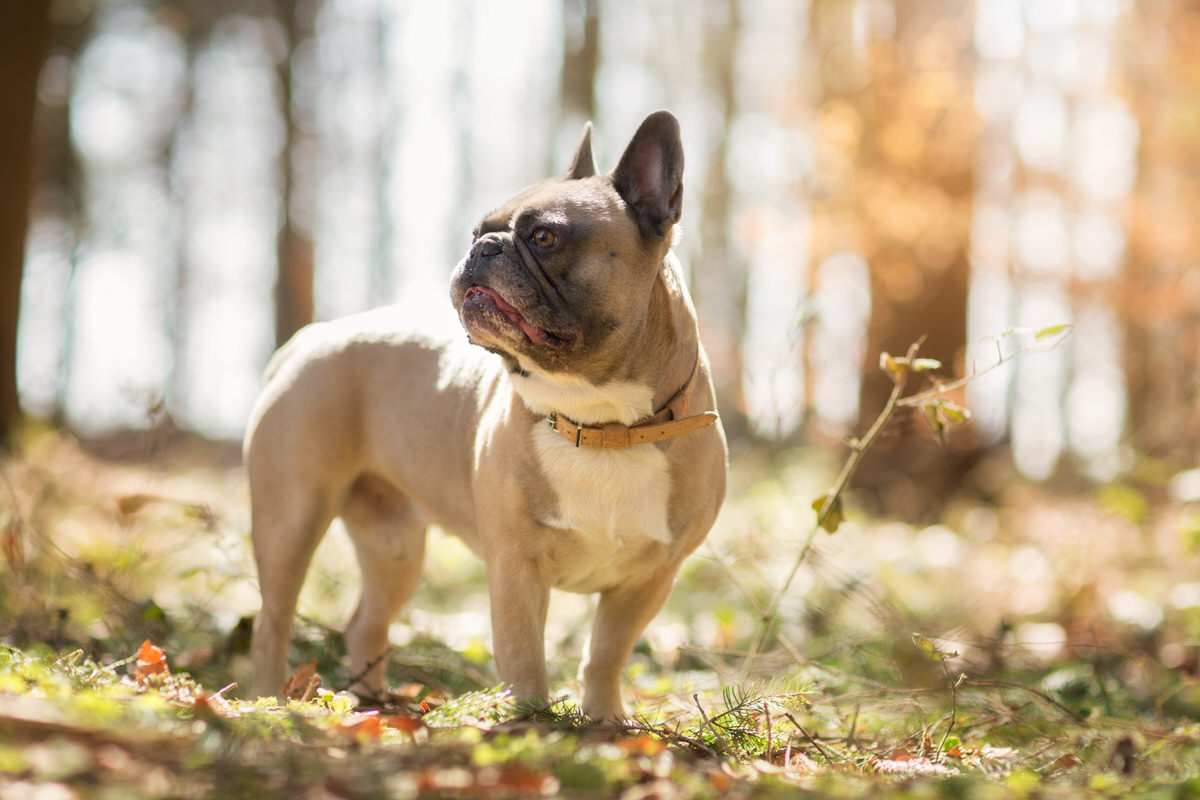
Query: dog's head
point(558, 278)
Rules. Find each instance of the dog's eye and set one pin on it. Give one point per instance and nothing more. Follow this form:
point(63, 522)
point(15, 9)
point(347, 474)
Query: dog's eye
point(544, 237)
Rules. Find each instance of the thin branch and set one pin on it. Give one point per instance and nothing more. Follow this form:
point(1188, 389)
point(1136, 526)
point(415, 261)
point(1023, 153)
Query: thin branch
point(858, 448)
point(920, 398)
point(369, 666)
point(716, 734)
point(824, 753)
point(941, 750)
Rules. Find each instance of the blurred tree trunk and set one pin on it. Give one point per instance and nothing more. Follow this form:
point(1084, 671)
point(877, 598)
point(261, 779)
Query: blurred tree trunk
point(177, 382)
point(898, 190)
point(294, 283)
point(919, 128)
point(577, 78)
point(24, 43)
point(1160, 291)
point(383, 277)
point(719, 278)
point(581, 55)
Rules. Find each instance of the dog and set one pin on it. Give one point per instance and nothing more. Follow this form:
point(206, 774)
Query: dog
point(571, 441)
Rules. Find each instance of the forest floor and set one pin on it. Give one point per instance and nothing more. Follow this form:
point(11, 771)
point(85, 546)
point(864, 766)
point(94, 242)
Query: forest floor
point(1034, 643)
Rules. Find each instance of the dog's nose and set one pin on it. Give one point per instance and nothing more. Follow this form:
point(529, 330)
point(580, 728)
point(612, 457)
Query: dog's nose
point(489, 245)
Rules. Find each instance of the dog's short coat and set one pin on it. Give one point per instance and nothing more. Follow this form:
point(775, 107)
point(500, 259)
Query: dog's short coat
point(582, 327)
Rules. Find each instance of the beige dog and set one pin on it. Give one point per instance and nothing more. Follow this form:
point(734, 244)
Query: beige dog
point(581, 453)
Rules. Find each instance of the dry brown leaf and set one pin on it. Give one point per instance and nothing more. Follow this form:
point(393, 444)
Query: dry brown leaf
point(364, 726)
point(642, 745)
point(303, 683)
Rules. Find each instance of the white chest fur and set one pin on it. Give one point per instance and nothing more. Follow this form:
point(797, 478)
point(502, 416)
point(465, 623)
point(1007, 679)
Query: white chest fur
point(609, 495)
point(603, 494)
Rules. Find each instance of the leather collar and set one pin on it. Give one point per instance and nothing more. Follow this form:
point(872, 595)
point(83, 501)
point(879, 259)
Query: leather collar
point(671, 420)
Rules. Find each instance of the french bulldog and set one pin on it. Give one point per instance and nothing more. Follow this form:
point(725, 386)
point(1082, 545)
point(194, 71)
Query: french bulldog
point(572, 441)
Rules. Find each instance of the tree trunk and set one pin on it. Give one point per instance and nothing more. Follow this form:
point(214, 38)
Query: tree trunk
point(916, 203)
point(294, 283)
point(1160, 289)
point(24, 43)
point(581, 52)
point(719, 278)
point(896, 187)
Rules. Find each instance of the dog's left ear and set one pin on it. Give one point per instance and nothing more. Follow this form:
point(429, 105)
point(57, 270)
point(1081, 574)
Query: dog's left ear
point(583, 165)
point(650, 174)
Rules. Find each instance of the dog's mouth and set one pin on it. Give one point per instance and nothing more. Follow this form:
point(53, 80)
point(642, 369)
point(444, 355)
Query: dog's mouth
point(484, 306)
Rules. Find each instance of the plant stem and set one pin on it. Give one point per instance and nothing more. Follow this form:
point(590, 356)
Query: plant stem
point(858, 448)
point(941, 750)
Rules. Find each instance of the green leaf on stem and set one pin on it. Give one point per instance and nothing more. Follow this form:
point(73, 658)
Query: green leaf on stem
point(894, 367)
point(936, 424)
point(829, 519)
point(931, 650)
point(1052, 330)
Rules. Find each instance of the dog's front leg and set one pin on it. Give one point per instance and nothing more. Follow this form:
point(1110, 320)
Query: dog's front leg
point(621, 615)
point(519, 597)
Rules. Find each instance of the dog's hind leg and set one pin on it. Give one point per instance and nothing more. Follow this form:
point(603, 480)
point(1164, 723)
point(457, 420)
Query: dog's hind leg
point(389, 538)
point(286, 528)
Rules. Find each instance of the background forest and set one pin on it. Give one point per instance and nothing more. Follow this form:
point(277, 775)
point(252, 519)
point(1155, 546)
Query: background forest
point(188, 182)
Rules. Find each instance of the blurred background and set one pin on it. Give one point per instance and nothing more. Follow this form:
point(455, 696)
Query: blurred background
point(184, 183)
point(207, 176)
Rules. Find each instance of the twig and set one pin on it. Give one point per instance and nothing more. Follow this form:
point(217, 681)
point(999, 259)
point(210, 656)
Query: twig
point(853, 726)
point(770, 744)
point(733, 578)
point(1035, 692)
point(824, 753)
point(663, 732)
point(920, 398)
point(370, 666)
point(716, 734)
point(962, 676)
point(858, 448)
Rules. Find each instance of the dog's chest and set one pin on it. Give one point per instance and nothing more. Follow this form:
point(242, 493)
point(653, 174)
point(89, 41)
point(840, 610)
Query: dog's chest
point(612, 503)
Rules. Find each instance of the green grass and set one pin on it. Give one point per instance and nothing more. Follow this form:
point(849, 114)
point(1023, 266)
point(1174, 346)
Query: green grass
point(1057, 653)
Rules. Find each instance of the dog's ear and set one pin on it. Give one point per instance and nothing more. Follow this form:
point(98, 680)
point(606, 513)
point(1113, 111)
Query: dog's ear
point(583, 165)
point(649, 175)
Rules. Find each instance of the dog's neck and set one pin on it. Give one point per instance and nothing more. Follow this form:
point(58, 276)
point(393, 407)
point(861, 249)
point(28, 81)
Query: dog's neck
point(577, 399)
point(670, 357)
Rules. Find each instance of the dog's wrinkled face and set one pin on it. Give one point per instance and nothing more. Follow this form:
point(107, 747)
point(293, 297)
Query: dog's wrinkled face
point(558, 278)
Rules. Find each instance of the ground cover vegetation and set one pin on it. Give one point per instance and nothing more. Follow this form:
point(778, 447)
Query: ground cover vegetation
point(1031, 641)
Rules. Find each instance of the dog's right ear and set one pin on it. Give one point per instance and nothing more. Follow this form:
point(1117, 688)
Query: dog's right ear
point(583, 165)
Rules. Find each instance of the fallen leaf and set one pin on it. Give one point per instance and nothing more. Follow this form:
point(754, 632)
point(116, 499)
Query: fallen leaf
point(151, 660)
point(517, 779)
point(409, 725)
point(1066, 761)
point(303, 684)
point(364, 726)
point(642, 745)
